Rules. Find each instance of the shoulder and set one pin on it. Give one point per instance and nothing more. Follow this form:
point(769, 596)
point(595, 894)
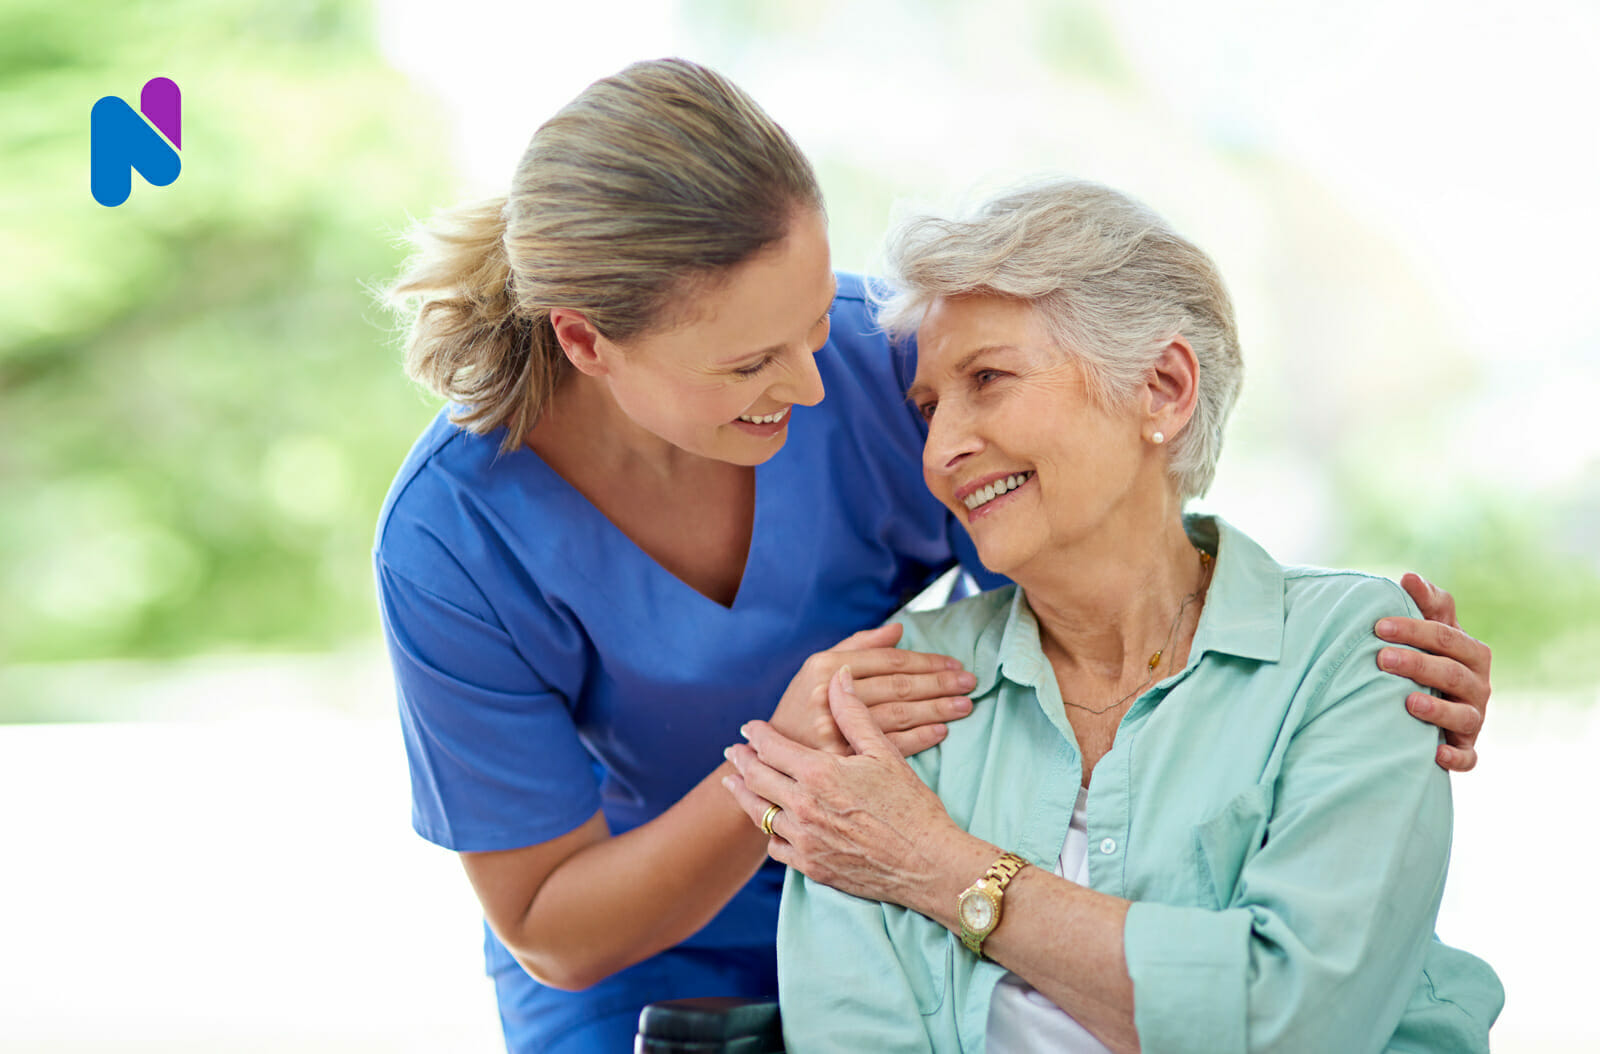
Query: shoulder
point(1329, 603)
point(857, 343)
point(959, 630)
point(1314, 606)
point(1330, 619)
point(445, 521)
point(1311, 627)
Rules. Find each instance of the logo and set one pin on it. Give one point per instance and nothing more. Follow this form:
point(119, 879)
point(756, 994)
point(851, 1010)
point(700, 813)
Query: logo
point(122, 142)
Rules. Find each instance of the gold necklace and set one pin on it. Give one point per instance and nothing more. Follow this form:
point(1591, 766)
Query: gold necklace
point(1155, 659)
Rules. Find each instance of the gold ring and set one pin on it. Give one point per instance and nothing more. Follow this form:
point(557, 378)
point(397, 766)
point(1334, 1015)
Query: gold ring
point(766, 820)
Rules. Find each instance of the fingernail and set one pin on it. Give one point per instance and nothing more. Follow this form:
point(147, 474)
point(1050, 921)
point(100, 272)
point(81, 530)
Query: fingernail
point(967, 681)
point(1385, 627)
point(846, 681)
point(727, 781)
point(962, 706)
point(952, 664)
point(1420, 704)
point(1389, 660)
point(727, 753)
point(744, 731)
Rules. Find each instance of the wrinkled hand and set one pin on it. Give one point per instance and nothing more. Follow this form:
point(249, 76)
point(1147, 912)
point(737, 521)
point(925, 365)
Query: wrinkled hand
point(909, 693)
point(1450, 661)
point(865, 824)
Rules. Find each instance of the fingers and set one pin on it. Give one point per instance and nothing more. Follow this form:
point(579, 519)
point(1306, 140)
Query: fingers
point(901, 717)
point(752, 804)
point(1460, 721)
point(1438, 638)
point(916, 740)
point(761, 779)
point(884, 636)
point(1456, 759)
point(890, 663)
point(852, 717)
point(755, 807)
point(911, 687)
point(1447, 676)
point(776, 751)
point(1436, 604)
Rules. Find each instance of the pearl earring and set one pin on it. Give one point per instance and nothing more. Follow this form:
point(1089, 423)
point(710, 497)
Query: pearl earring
point(1158, 438)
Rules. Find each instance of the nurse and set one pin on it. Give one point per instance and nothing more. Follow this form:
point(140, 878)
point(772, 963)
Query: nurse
point(637, 520)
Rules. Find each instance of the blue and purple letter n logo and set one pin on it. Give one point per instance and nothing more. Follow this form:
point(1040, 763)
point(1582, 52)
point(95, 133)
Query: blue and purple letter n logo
point(121, 141)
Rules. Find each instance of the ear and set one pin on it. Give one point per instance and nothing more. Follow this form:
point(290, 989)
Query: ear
point(585, 348)
point(1171, 389)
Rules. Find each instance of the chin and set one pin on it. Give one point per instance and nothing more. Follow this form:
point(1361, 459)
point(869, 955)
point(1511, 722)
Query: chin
point(751, 454)
point(996, 559)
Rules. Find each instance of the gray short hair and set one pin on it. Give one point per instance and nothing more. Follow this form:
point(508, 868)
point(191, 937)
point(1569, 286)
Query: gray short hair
point(1111, 280)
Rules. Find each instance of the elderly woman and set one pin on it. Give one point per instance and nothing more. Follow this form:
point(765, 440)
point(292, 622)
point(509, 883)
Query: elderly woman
point(1188, 811)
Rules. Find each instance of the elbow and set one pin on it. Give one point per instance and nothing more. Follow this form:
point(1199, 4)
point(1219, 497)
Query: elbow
point(567, 969)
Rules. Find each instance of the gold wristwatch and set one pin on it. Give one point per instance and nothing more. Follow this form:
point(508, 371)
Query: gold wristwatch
point(978, 909)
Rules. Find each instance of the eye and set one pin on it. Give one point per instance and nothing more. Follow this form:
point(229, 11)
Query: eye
point(982, 377)
point(926, 410)
point(755, 367)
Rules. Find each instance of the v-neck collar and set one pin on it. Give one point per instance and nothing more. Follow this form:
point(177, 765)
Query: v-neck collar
point(614, 537)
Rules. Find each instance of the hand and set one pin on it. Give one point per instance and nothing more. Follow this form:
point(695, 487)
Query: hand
point(1450, 661)
point(909, 693)
point(865, 824)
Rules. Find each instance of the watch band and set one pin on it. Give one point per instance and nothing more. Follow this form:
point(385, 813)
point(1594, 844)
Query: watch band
point(993, 882)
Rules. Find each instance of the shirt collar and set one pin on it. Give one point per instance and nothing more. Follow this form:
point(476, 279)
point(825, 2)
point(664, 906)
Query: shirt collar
point(1243, 615)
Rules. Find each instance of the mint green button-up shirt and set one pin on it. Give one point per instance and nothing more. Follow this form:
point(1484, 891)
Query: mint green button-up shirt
point(1272, 810)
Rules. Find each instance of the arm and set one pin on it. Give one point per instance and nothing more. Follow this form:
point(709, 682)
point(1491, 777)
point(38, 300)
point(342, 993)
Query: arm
point(875, 997)
point(1450, 662)
point(500, 775)
point(1327, 922)
point(574, 910)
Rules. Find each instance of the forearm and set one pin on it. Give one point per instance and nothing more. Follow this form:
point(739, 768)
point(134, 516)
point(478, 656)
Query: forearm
point(1043, 915)
point(622, 899)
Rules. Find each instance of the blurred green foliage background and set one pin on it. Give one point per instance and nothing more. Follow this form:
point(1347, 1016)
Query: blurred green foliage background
point(203, 406)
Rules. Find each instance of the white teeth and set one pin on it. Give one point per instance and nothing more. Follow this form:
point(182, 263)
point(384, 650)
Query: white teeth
point(984, 495)
point(764, 419)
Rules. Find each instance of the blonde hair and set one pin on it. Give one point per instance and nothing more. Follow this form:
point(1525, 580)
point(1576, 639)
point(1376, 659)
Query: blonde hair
point(1112, 281)
point(645, 188)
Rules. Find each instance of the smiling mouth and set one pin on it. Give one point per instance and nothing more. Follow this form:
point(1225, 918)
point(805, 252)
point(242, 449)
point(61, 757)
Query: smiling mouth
point(764, 419)
point(984, 495)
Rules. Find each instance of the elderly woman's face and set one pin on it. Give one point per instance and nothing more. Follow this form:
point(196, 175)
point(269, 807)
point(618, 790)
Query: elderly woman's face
point(1017, 447)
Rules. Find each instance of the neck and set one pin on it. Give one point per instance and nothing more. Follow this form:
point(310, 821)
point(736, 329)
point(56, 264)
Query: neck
point(583, 420)
point(1106, 603)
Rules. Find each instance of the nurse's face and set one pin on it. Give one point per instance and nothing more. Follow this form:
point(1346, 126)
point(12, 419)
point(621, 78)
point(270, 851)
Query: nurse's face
point(723, 382)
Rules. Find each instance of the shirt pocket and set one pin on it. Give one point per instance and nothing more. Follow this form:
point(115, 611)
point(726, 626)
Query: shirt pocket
point(1228, 840)
point(925, 951)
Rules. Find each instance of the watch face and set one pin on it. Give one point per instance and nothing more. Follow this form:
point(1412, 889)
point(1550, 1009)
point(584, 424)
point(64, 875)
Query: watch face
point(977, 912)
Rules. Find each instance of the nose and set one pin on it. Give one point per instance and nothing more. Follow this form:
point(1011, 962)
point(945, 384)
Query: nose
point(803, 382)
point(951, 439)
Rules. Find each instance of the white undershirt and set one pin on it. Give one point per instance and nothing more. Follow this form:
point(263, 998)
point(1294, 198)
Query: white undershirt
point(1021, 1019)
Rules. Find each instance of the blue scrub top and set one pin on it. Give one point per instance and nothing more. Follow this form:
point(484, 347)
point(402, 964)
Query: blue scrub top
point(547, 667)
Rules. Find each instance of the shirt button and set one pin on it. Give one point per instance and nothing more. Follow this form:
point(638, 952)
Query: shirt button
point(1108, 846)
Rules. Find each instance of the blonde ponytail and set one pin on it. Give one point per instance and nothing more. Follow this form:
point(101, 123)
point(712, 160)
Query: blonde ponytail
point(470, 341)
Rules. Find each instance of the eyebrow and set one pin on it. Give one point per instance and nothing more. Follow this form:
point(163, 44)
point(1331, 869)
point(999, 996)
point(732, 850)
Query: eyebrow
point(919, 389)
point(774, 349)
